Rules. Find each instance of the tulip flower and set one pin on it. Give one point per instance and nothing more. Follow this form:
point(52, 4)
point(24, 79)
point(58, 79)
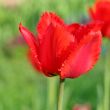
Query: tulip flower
point(101, 12)
point(60, 49)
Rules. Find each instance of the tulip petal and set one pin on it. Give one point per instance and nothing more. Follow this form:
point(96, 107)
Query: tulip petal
point(84, 57)
point(101, 12)
point(73, 27)
point(83, 30)
point(56, 41)
point(106, 30)
point(46, 19)
point(99, 8)
point(103, 7)
point(31, 41)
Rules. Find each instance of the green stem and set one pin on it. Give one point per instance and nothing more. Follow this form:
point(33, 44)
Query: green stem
point(99, 97)
point(107, 81)
point(51, 93)
point(60, 96)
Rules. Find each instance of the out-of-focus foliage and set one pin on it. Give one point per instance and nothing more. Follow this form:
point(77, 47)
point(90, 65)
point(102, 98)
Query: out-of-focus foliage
point(22, 88)
point(29, 11)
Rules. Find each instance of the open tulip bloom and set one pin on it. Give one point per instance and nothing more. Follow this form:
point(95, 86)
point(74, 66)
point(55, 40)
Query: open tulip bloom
point(60, 49)
point(101, 12)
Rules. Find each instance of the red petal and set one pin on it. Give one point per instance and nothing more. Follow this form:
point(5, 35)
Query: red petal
point(106, 30)
point(103, 7)
point(56, 41)
point(95, 26)
point(84, 57)
point(73, 27)
point(46, 20)
point(31, 41)
point(85, 29)
point(34, 61)
point(99, 8)
point(28, 36)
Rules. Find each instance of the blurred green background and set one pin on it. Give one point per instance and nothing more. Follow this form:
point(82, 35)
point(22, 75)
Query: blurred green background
point(21, 87)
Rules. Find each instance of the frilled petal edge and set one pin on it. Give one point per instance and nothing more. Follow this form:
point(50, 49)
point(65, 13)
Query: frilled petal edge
point(73, 27)
point(46, 19)
point(31, 41)
point(83, 58)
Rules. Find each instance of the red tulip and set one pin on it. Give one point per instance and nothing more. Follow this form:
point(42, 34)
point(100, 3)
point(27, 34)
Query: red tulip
point(60, 49)
point(101, 12)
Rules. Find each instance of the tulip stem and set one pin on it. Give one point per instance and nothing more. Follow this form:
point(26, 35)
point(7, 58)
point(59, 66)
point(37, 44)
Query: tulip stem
point(60, 95)
point(51, 93)
point(107, 81)
point(106, 100)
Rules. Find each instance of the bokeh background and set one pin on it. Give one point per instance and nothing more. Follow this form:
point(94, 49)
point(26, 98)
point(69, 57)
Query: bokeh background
point(21, 87)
